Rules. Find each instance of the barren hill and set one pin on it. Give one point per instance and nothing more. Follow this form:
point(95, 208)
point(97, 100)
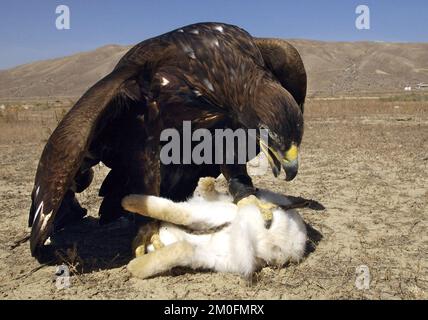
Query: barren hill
point(351, 67)
point(333, 68)
point(68, 76)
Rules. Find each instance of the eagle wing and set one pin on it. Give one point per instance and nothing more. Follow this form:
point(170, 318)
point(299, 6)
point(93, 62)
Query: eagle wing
point(70, 141)
point(284, 61)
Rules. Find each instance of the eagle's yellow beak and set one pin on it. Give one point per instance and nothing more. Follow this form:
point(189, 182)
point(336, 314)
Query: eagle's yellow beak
point(289, 161)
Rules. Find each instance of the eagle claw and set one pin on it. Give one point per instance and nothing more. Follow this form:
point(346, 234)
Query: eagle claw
point(266, 208)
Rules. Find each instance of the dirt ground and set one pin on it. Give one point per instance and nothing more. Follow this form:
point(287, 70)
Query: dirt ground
point(366, 161)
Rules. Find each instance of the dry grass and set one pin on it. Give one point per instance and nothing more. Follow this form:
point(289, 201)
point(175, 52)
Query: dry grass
point(30, 122)
point(34, 121)
point(363, 108)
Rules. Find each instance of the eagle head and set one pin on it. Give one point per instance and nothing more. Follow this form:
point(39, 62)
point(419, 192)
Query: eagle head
point(276, 111)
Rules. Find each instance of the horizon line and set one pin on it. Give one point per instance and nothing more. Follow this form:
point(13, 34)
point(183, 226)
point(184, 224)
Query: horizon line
point(131, 45)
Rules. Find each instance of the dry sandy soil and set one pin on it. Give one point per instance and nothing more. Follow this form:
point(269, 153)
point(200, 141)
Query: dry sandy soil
point(366, 161)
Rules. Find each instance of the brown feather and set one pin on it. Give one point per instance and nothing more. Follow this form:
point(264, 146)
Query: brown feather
point(286, 64)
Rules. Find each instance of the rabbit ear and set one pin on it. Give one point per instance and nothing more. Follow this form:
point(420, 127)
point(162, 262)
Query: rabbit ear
point(299, 202)
point(303, 204)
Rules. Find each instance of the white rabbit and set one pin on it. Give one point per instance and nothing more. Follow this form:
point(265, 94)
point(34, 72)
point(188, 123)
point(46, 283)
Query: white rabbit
point(209, 231)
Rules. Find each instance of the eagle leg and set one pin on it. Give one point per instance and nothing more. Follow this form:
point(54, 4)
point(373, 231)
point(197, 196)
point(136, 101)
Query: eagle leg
point(239, 182)
point(150, 155)
point(110, 209)
point(138, 173)
point(82, 180)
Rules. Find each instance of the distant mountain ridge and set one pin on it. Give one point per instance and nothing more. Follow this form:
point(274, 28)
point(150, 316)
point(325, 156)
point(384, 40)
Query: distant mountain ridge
point(333, 68)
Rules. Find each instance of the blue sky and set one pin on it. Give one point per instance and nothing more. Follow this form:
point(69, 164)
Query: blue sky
point(28, 32)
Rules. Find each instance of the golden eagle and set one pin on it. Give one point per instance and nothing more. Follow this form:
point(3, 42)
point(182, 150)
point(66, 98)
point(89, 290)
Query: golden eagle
point(212, 74)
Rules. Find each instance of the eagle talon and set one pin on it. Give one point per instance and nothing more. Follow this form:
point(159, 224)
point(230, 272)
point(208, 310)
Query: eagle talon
point(266, 208)
point(206, 188)
point(140, 251)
